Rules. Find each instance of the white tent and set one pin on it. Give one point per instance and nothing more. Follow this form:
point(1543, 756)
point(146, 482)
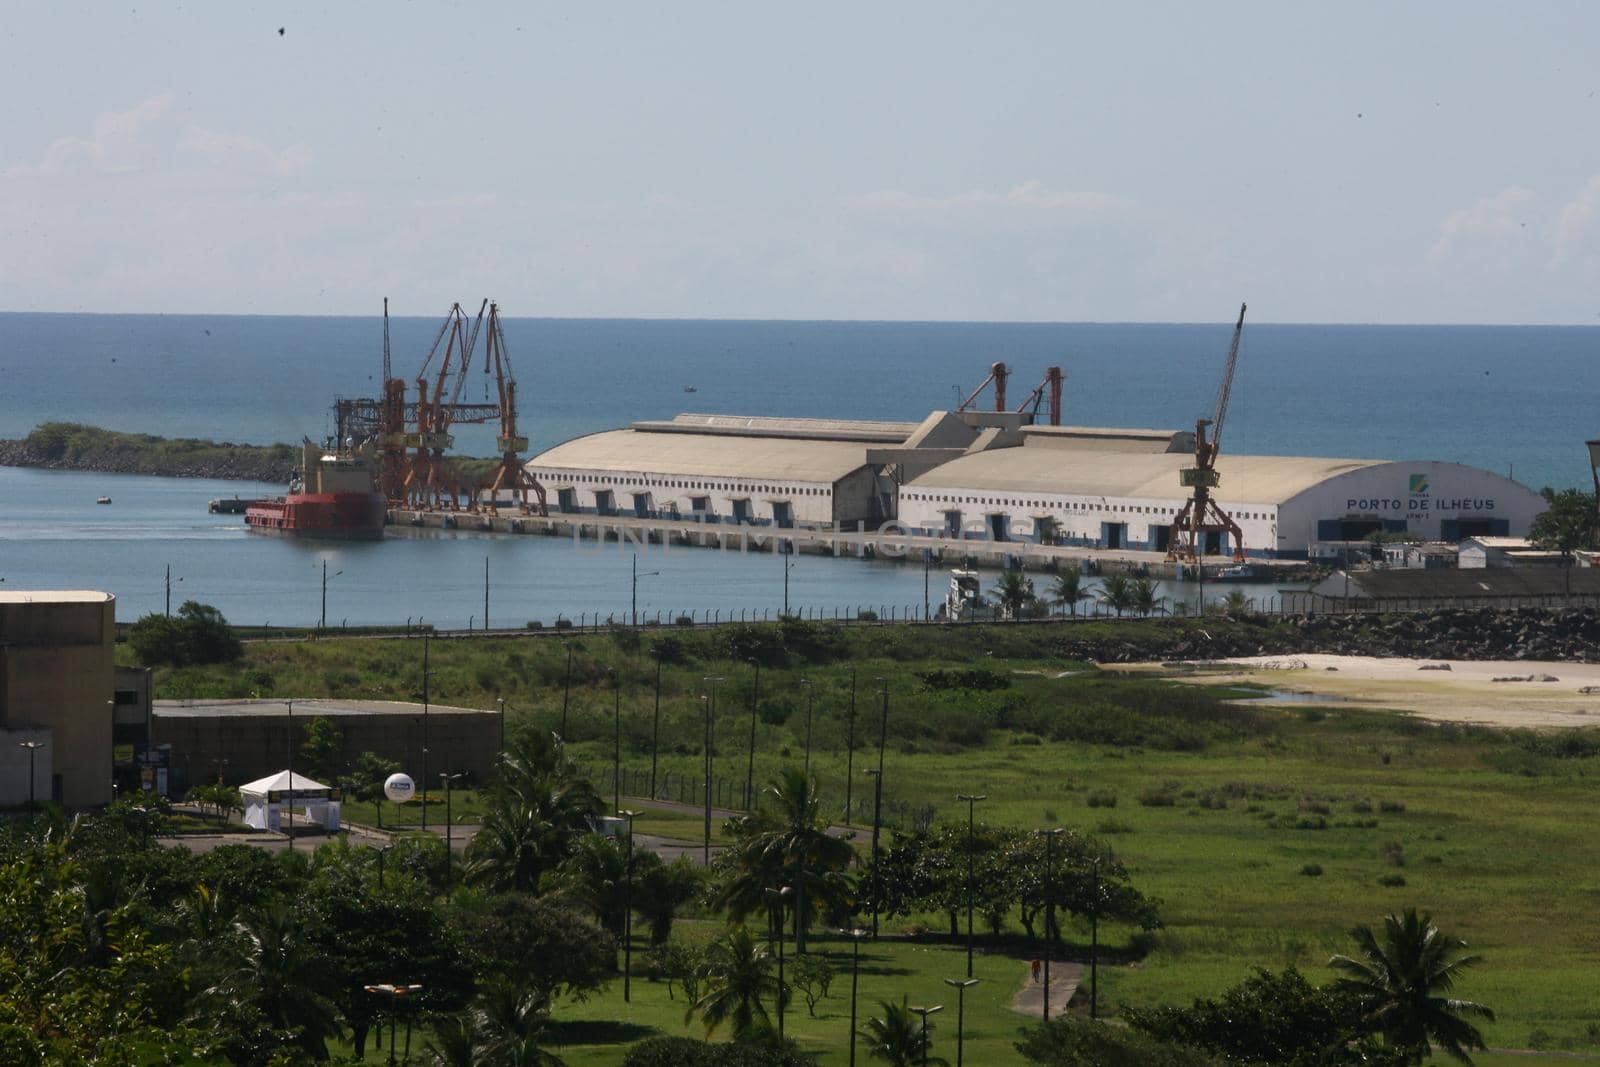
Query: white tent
point(265, 799)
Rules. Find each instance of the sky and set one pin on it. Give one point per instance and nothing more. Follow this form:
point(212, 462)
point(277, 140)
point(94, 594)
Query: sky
point(1419, 162)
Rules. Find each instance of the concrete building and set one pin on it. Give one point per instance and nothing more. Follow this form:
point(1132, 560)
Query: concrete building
point(1478, 553)
point(995, 476)
point(56, 689)
point(241, 740)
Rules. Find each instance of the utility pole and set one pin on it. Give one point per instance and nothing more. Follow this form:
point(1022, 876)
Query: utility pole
point(972, 800)
point(655, 730)
point(291, 775)
point(850, 751)
point(710, 757)
point(485, 594)
point(426, 675)
point(750, 771)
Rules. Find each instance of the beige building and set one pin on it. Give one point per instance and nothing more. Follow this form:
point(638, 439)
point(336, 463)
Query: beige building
point(56, 685)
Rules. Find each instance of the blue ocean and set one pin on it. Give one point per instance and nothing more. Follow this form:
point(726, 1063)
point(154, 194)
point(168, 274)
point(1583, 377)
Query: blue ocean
point(1516, 400)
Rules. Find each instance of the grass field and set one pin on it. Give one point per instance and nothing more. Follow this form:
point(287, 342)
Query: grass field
point(1487, 829)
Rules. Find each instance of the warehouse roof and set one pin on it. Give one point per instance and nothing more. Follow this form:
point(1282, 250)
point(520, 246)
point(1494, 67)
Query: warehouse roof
point(709, 455)
point(777, 426)
point(1245, 479)
point(54, 596)
point(1469, 584)
point(269, 708)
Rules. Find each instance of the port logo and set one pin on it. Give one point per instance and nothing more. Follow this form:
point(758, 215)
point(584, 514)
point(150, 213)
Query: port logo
point(1419, 483)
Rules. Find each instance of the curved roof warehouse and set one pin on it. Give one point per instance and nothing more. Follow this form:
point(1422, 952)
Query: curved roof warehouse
point(992, 475)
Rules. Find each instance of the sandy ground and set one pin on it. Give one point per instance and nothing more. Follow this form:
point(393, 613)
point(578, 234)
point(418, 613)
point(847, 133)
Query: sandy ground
point(1467, 692)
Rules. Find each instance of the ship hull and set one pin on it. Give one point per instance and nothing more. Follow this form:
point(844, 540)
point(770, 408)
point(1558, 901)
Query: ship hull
point(329, 516)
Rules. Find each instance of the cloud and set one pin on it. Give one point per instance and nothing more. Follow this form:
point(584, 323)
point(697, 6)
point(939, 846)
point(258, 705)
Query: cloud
point(1489, 225)
point(113, 147)
point(240, 152)
point(1576, 222)
point(1030, 203)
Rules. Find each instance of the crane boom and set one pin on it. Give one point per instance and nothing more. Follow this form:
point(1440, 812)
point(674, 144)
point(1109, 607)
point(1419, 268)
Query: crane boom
point(1226, 389)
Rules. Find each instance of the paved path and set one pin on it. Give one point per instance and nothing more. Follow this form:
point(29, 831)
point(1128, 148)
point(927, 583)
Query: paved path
point(1064, 978)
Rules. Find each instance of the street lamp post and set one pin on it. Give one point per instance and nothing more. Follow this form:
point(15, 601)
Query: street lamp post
point(426, 676)
point(627, 910)
point(709, 750)
point(877, 813)
point(961, 988)
point(850, 752)
point(785, 551)
point(291, 775)
point(169, 590)
point(616, 736)
point(1049, 908)
point(972, 801)
point(322, 621)
point(781, 896)
point(566, 692)
point(877, 791)
point(925, 1012)
point(32, 747)
point(655, 729)
point(636, 576)
point(806, 682)
point(855, 934)
point(449, 824)
point(1094, 940)
point(750, 769)
point(395, 994)
point(382, 852)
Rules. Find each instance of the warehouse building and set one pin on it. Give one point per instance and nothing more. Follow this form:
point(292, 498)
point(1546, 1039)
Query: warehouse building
point(996, 476)
point(56, 686)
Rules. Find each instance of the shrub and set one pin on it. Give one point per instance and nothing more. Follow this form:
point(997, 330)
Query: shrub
point(198, 634)
point(563, 624)
point(1391, 807)
point(1213, 801)
point(866, 615)
point(1393, 853)
point(1027, 739)
point(1393, 881)
point(1361, 807)
point(1312, 870)
point(1102, 800)
point(683, 620)
point(535, 624)
point(1157, 798)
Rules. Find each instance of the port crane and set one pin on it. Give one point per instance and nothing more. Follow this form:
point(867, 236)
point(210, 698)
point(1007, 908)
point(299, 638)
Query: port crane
point(1050, 385)
point(998, 374)
point(510, 474)
point(1201, 515)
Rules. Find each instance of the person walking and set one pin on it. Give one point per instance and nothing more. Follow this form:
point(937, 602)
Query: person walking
point(1036, 970)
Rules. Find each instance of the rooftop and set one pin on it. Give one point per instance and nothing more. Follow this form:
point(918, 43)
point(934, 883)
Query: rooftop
point(333, 709)
point(711, 455)
point(54, 596)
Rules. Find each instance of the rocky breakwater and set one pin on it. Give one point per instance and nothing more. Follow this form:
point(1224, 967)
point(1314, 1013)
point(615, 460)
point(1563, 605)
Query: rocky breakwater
point(69, 446)
point(1472, 634)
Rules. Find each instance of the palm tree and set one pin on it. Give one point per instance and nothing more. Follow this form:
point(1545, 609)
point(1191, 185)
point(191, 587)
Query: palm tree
point(537, 812)
point(1142, 596)
point(1069, 590)
point(273, 966)
point(736, 977)
point(1399, 982)
point(1013, 592)
point(788, 847)
point(509, 1022)
point(1116, 592)
point(1236, 604)
point(899, 1038)
point(596, 874)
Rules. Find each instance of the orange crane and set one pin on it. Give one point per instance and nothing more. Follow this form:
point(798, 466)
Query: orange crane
point(998, 374)
point(1201, 515)
point(1050, 384)
point(510, 474)
point(430, 481)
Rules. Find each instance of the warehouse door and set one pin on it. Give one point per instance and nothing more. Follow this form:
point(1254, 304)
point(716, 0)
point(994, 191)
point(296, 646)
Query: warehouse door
point(952, 524)
point(641, 505)
point(567, 500)
point(741, 510)
point(1113, 534)
point(782, 514)
point(605, 502)
point(1160, 536)
point(999, 526)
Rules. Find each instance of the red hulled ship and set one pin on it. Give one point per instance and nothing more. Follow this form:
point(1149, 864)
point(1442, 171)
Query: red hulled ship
point(333, 495)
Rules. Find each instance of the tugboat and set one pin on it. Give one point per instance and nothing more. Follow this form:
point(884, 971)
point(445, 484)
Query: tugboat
point(334, 494)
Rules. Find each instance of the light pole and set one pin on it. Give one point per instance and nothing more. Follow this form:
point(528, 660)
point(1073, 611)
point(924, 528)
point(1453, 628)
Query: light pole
point(485, 594)
point(850, 751)
point(169, 590)
point(502, 702)
point(785, 550)
point(426, 675)
point(927, 567)
point(877, 812)
point(710, 754)
point(291, 775)
point(655, 729)
point(636, 576)
point(566, 692)
point(961, 988)
point(382, 852)
point(616, 736)
point(449, 824)
point(925, 1012)
point(810, 702)
point(322, 621)
point(750, 770)
point(395, 994)
point(32, 747)
point(780, 896)
point(1049, 907)
point(627, 910)
point(972, 801)
point(1094, 940)
point(877, 793)
point(855, 934)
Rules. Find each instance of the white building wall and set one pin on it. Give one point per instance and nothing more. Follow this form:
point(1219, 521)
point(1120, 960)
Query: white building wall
point(1079, 520)
point(1429, 498)
point(676, 494)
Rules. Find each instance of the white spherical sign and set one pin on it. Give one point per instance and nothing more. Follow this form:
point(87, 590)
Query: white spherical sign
point(399, 788)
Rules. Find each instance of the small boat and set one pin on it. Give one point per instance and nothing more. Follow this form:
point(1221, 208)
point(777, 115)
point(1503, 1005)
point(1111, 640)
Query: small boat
point(690, 389)
point(102, 500)
point(1242, 572)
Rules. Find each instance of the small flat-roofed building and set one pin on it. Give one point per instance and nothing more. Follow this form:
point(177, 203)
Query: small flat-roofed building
point(1480, 552)
point(56, 650)
point(241, 740)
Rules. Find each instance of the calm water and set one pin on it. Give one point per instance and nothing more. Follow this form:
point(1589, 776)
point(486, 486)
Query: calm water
point(1512, 399)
